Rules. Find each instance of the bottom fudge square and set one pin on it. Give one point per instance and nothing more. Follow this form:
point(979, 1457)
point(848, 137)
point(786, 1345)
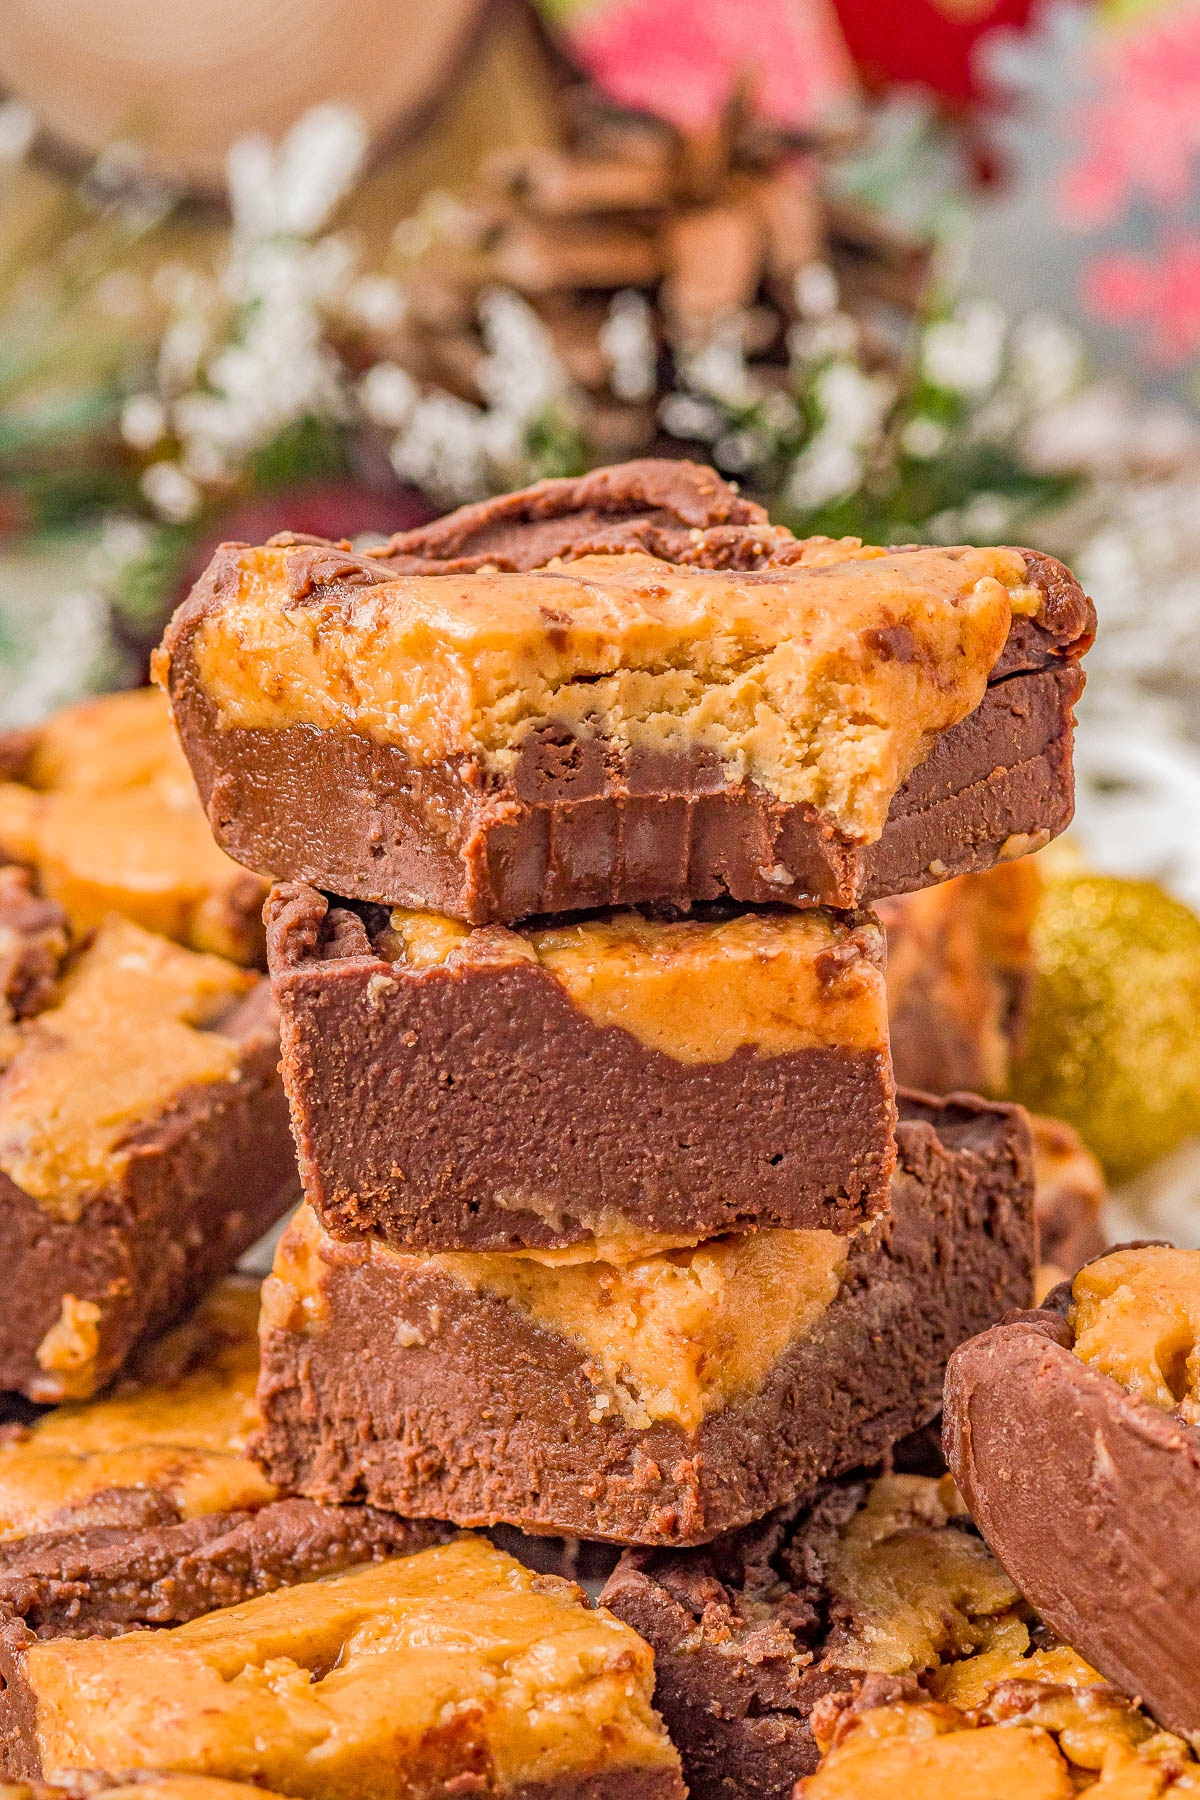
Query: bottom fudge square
point(661, 1400)
point(451, 1671)
point(144, 1137)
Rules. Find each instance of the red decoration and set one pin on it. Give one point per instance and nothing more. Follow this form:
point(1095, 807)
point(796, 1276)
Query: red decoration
point(926, 43)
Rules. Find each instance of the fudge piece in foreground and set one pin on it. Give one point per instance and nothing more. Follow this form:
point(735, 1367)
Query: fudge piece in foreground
point(142, 1784)
point(662, 1400)
point(1074, 1435)
point(453, 1670)
point(960, 978)
point(143, 1508)
point(99, 802)
point(1022, 1739)
point(451, 1088)
point(748, 715)
point(144, 1139)
point(749, 1633)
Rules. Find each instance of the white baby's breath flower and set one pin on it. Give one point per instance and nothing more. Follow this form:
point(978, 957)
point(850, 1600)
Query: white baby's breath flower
point(292, 189)
point(853, 405)
point(181, 352)
point(827, 468)
point(18, 128)
point(1047, 358)
point(376, 302)
point(923, 437)
point(388, 394)
point(816, 340)
point(963, 354)
point(718, 367)
point(444, 449)
point(686, 416)
point(521, 375)
point(986, 517)
point(172, 494)
point(143, 421)
point(815, 290)
point(627, 340)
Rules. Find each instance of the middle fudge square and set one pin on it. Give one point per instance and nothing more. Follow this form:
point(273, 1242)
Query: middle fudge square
point(661, 1399)
point(605, 1077)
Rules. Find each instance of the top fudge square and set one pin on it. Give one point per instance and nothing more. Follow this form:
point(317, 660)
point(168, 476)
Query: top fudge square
point(623, 689)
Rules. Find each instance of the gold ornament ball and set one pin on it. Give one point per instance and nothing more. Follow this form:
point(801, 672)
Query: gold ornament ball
point(1114, 1039)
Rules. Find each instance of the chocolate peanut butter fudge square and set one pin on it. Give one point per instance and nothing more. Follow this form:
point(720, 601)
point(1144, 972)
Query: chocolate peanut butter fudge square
point(662, 1399)
point(1074, 1435)
point(142, 1508)
point(99, 802)
point(144, 1139)
point(450, 1086)
point(960, 978)
point(1022, 1739)
point(716, 710)
point(454, 1670)
point(873, 1577)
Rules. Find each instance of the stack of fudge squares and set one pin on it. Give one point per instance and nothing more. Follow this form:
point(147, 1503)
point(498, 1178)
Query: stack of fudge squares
point(581, 818)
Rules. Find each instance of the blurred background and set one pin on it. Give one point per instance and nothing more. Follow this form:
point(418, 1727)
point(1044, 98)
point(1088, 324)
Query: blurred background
point(928, 270)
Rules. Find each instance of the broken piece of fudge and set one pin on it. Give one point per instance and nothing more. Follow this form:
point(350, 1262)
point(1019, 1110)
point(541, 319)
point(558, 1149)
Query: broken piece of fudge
point(662, 1399)
point(881, 1576)
point(611, 1077)
point(960, 978)
point(688, 704)
point(142, 1508)
point(99, 803)
point(144, 1139)
point(453, 1670)
point(1022, 1739)
point(1074, 1435)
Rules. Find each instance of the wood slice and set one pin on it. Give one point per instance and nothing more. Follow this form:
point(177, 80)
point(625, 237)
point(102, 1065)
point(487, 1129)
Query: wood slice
point(185, 78)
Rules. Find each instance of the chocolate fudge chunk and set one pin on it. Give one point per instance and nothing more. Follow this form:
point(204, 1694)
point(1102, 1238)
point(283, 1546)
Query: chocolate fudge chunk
point(750, 1633)
point(1074, 1435)
point(144, 1140)
point(960, 978)
point(449, 1086)
point(143, 1508)
point(99, 802)
point(1022, 1739)
point(454, 1670)
point(679, 721)
point(660, 1400)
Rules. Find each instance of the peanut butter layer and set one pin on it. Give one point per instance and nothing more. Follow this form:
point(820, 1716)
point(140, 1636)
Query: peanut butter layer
point(1136, 1315)
point(1024, 1740)
point(109, 818)
point(695, 989)
point(135, 1024)
point(183, 1434)
point(146, 1787)
point(398, 1679)
point(673, 1335)
point(824, 682)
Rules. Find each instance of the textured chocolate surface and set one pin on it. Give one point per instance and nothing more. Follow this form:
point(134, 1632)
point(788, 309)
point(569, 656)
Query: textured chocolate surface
point(204, 1180)
point(437, 1400)
point(575, 827)
point(160, 1569)
point(1088, 1496)
point(426, 1104)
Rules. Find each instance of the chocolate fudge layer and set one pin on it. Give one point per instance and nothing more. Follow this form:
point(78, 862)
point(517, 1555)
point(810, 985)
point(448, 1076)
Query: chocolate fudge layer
point(144, 1140)
point(99, 802)
point(143, 1509)
point(661, 1400)
point(717, 709)
point(750, 1633)
point(454, 1670)
point(1021, 1739)
point(1070, 1196)
point(1074, 1435)
point(960, 978)
point(449, 1086)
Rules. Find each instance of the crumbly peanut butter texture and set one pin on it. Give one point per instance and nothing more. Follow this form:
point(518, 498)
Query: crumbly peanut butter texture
point(1136, 1315)
point(673, 1335)
point(133, 1027)
point(184, 1435)
point(391, 1680)
point(110, 820)
point(697, 990)
point(825, 682)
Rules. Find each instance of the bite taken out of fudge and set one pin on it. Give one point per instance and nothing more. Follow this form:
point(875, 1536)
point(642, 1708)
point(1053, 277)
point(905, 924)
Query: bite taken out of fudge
point(1073, 1433)
point(142, 1508)
point(752, 1634)
point(453, 1670)
point(144, 1139)
point(99, 803)
point(614, 1077)
point(686, 703)
point(662, 1399)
